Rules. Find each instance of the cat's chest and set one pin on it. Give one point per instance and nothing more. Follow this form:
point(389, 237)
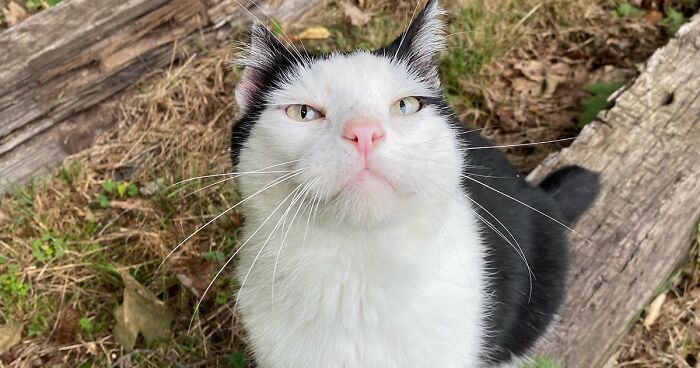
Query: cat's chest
point(393, 308)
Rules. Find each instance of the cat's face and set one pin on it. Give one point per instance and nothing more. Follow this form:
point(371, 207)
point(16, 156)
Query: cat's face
point(368, 132)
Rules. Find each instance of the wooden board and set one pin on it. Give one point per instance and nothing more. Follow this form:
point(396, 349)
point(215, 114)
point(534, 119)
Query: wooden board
point(647, 149)
point(58, 65)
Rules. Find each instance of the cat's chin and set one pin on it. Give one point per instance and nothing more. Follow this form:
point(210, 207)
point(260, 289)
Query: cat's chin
point(367, 180)
point(368, 198)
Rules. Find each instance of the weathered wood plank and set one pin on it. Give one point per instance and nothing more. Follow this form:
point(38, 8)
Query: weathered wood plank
point(647, 149)
point(63, 61)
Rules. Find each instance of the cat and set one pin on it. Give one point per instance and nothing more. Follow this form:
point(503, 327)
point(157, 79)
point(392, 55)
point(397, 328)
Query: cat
point(379, 230)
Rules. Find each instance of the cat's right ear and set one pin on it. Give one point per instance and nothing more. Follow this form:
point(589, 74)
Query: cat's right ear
point(259, 60)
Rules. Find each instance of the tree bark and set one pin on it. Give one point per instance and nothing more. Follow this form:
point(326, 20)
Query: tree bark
point(57, 66)
point(647, 150)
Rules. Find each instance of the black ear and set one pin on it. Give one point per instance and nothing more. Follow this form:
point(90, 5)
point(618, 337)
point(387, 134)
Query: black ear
point(260, 60)
point(418, 45)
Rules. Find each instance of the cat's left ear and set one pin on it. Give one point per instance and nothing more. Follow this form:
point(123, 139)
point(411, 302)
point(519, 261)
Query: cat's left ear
point(261, 60)
point(421, 41)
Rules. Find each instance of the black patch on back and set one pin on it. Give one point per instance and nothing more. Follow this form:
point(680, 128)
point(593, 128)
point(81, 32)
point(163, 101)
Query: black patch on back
point(518, 316)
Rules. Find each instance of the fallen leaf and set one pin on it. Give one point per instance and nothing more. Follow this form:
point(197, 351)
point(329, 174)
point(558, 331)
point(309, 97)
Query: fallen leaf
point(141, 312)
point(354, 15)
point(152, 187)
point(130, 205)
point(67, 330)
point(7, 358)
point(10, 335)
point(533, 70)
point(14, 13)
point(4, 218)
point(314, 33)
point(526, 87)
point(653, 16)
point(554, 75)
point(654, 310)
point(195, 275)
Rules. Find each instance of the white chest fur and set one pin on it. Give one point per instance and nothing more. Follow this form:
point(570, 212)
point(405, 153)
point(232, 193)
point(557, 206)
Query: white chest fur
point(411, 295)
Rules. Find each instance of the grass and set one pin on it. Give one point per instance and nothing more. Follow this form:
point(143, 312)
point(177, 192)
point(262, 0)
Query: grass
point(673, 338)
point(28, 6)
point(64, 238)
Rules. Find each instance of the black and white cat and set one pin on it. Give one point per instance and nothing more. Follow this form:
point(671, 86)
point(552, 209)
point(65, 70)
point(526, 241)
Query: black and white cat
point(379, 231)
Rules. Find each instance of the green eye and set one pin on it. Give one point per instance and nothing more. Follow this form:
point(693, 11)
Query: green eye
point(406, 106)
point(303, 113)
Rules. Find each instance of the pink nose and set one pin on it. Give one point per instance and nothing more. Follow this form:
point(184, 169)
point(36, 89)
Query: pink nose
point(364, 134)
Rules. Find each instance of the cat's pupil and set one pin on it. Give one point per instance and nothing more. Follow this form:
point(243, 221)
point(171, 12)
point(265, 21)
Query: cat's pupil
point(402, 106)
point(303, 111)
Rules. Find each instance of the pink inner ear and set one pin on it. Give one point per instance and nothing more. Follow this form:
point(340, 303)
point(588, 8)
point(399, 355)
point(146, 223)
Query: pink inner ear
point(247, 87)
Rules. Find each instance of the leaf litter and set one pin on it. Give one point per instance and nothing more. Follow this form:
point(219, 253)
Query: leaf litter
point(140, 313)
point(10, 335)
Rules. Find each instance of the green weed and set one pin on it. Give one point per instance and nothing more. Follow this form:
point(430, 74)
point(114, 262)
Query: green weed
point(673, 20)
point(86, 326)
point(597, 101)
point(626, 9)
point(12, 287)
point(47, 247)
point(236, 360)
point(542, 362)
point(217, 257)
point(114, 190)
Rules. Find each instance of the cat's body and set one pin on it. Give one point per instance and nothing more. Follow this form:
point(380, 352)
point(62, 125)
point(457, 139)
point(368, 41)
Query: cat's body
point(371, 238)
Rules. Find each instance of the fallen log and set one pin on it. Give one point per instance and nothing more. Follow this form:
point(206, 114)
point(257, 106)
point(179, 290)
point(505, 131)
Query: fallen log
point(647, 149)
point(58, 66)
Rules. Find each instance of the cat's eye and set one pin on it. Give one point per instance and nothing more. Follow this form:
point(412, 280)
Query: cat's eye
point(303, 113)
point(406, 106)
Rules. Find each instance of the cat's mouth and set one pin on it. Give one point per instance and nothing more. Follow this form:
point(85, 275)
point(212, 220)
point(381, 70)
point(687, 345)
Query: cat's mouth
point(367, 179)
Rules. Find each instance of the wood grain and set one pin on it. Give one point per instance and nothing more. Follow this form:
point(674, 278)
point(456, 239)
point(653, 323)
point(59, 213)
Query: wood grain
point(647, 149)
point(59, 64)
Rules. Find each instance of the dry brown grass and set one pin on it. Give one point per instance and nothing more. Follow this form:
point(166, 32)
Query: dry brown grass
point(175, 126)
point(673, 338)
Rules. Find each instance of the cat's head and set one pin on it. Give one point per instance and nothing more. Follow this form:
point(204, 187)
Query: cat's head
point(366, 133)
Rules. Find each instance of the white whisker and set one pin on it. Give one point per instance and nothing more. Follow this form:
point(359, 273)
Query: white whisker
point(228, 174)
point(267, 240)
point(231, 178)
point(520, 144)
point(303, 193)
point(528, 206)
point(228, 261)
point(269, 185)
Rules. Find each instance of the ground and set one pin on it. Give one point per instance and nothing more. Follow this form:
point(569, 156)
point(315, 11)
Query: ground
point(524, 71)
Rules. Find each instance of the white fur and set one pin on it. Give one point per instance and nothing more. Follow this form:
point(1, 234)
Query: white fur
point(387, 274)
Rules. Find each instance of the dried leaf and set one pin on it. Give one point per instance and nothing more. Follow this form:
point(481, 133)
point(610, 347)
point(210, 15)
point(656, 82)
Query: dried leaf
point(4, 218)
point(354, 15)
point(654, 310)
point(526, 87)
point(10, 335)
point(141, 312)
point(67, 330)
point(195, 276)
point(653, 16)
point(314, 33)
point(533, 70)
point(130, 205)
point(14, 13)
point(152, 187)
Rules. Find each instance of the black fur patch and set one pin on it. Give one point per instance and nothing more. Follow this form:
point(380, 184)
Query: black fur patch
point(268, 77)
point(519, 315)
